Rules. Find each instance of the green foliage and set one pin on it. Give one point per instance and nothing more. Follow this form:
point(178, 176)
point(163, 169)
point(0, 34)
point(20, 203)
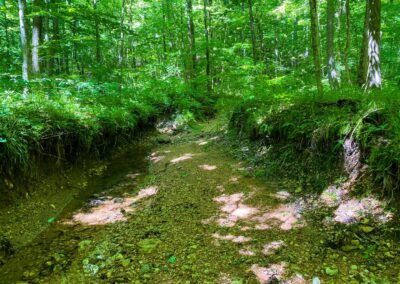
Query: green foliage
point(304, 135)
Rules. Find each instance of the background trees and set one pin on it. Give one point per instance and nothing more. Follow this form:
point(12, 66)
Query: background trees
point(103, 39)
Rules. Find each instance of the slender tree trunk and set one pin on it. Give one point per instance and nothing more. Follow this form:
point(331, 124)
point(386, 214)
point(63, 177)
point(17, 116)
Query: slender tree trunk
point(206, 36)
point(348, 42)
point(36, 31)
point(330, 45)
point(24, 41)
point(374, 77)
point(164, 33)
point(6, 30)
point(252, 31)
point(315, 44)
point(97, 28)
point(363, 62)
point(122, 39)
point(191, 37)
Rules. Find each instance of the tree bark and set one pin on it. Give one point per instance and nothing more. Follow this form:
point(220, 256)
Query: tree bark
point(206, 36)
point(315, 44)
point(363, 62)
point(36, 31)
point(374, 77)
point(24, 41)
point(97, 28)
point(191, 37)
point(122, 39)
point(348, 41)
point(330, 45)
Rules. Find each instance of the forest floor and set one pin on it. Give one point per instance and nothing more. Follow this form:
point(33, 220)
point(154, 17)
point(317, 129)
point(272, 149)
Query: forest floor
point(196, 215)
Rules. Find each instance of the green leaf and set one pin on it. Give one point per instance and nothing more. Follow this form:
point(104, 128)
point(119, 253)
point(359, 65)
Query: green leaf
point(51, 220)
point(331, 271)
point(172, 259)
point(3, 140)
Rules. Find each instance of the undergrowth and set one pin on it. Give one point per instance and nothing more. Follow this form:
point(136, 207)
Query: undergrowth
point(295, 133)
point(64, 117)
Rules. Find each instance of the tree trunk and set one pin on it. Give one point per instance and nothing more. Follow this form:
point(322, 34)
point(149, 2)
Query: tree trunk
point(330, 45)
point(252, 31)
point(363, 62)
point(315, 44)
point(97, 28)
point(374, 78)
point(24, 41)
point(122, 39)
point(191, 37)
point(348, 42)
point(36, 31)
point(206, 35)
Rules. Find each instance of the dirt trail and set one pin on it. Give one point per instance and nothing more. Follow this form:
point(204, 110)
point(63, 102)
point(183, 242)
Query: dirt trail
point(197, 217)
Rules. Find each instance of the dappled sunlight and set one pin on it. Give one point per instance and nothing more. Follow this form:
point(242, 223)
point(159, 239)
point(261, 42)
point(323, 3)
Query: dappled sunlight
point(269, 274)
point(110, 210)
point(353, 211)
point(155, 157)
point(233, 210)
point(232, 238)
point(133, 175)
point(182, 158)
point(282, 195)
point(202, 142)
point(234, 179)
point(208, 167)
point(272, 247)
point(287, 215)
point(247, 252)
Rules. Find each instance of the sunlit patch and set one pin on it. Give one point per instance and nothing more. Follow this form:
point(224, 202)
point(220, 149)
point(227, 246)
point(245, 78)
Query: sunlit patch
point(269, 274)
point(332, 196)
point(296, 279)
point(234, 179)
point(288, 216)
point(208, 167)
point(182, 158)
point(282, 195)
point(202, 142)
point(110, 210)
point(262, 227)
point(247, 252)
point(215, 138)
point(233, 209)
point(232, 238)
point(272, 247)
point(155, 158)
point(352, 211)
point(133, 175)
point(220, 188)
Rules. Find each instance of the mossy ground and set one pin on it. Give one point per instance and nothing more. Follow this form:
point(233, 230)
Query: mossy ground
point(167, 241)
